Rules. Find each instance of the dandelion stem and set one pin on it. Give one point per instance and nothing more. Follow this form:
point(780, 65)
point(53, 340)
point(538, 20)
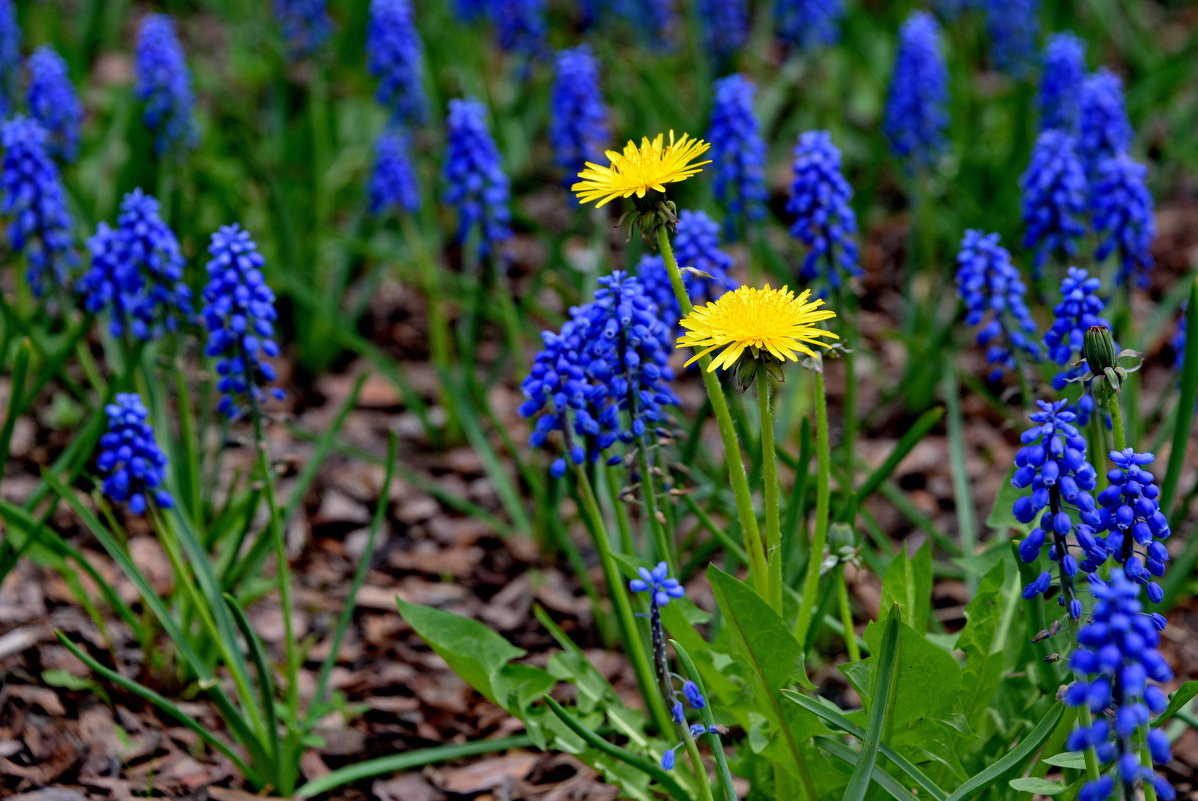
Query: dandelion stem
point(1112, 406)
point(758, 571)
point(769, 476)
point(823, 498)
point(846, 616)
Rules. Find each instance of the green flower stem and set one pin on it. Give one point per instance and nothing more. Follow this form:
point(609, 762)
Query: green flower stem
point(823, 498)
point(846, 616)
point(1112, 406)
point(620, 510)
point(849, 408)
point(619, 598)
point(769, 476)
point(661, 538)
point(758, 572)
point(1093, 771)
point(700, 770)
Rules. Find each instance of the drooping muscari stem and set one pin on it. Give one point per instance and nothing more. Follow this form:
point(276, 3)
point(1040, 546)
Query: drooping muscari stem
point(758, 571)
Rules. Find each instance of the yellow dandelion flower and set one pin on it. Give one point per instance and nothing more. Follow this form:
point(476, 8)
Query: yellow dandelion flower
point(639, 169)
point(767, 320)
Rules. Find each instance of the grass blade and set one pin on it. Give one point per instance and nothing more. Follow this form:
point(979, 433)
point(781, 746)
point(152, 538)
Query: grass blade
point(884, 680)
point(850, 757)
point(713, 740)
point(1013, 759)
point(266, 686)
point(908, 441)
point(20, 369)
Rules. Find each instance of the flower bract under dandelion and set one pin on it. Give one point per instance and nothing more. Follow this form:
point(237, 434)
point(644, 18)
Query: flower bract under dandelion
point(771, 320)
point(639, 169)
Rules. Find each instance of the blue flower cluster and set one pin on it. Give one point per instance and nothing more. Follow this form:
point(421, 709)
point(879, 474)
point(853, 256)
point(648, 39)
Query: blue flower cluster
point(137, 271)
point(393, 181)
point(738, 154)
point(605, 377)
point(305, 23)
point(53, 103)
point(1013, 28)
point(164, 83)
point(134, 465)
point(521, 25)
point(578, 128)
point(476, 184)
point(393, 55)
point(1064, 70)
point(1052, 462)
point(1132, 519)
point(806, 24)
point(1078, 310)
point(991, 286)
point(696, 246)
point(823, 219)
point(10, 55)
point(33, 199)
point(1054, 198)
point(1104, 129)
point(915, 109)
point(1122, 210)
point(661, 589)
point(239, 311)
point(471, 10)
point(725, 25)
point(1178, 340)
point(1116, 660)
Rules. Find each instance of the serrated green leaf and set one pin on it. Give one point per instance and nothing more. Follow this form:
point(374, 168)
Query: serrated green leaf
point(1038, 786)
point(989, 616)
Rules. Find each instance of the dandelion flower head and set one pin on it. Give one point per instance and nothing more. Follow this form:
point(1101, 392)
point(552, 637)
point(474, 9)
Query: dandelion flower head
point(638, 169)
point(775, 321)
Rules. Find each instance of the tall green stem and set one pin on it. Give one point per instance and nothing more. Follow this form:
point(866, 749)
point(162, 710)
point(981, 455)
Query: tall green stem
point(1112, 406)
point(661, 538)
point(769, 475)
point(758, 571)
point(823, 498)
point(846, 616)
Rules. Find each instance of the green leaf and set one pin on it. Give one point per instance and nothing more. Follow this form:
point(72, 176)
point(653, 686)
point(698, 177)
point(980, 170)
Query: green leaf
point(1038, 786)
point(1074, 760)
point(1001, 518)
point(1014, 759)
point(908, 583)
point(1181, 696)
point(880, 712)
point(1184, 415)
point(880, 777)
point(990, 616)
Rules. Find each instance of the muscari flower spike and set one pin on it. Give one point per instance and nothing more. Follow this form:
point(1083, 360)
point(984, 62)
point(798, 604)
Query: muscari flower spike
point(823, 218)
point(739, 155)
point(164, 84)
point(471, 10)
point(659, 585)
point(703, 264)
point(1013, 27)
point(239, 312)
point(137, 272)
point(1133, 522)
point(34, 201)
point(1064, 69)
point(394, 57)
point(1064, 341)
point(1052, 463)
point(520, 25)
point(1119, 668)
point(135, 468)
point(1103, 127)
point(393, 180)
point(578, 126)
point(652, 20)
point(305, 25)
point(991, 287)
point(807, 24)
point(53, 102)
point(1122, 210)
point(1054, 199)
point(476, 184)
point(725, 25)
point(10, 56)
point(949, 10)
point(915, 109)
point(605, 378)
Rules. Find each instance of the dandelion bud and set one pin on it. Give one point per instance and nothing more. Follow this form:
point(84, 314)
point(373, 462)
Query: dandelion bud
point(1099, 349)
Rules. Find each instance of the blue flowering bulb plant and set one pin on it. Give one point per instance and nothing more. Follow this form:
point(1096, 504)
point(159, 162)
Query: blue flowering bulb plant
point(53, 102)
point(1054, 199)
point(475, 184)
point(994, 295)
point(393, 186)
point(394, 57)
point(1062, 71)
point(823, 219)
point(578, 125)
point(164, 84)
point(134, 468)
point(916, 114)
point(739, 154)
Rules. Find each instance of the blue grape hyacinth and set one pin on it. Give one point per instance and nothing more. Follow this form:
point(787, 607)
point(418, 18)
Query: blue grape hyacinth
point(1122, 210)
point(697, 247)
point(53, 102)
point(659, 585)
point(1133, 522)
point(823, 219)
point(164, 84)
point(476, 184)
point(521, 25)
point(394, 56)
point(137, 272)
point(1063, 71)
point(135, 467)
point(738, 154)
point(915, 108)
point(10, 56)
point(578, 126)
point(807, 24)
point(393, 184)
point(35, 204)
point(1077, 312)
point(1103, 127)
point(1052, 463)
point(1054, 199)
point(725, 26)
point(305, 25)
point(1013, 27)
point(1119, 668)
point(239, 312)
point(993, 292)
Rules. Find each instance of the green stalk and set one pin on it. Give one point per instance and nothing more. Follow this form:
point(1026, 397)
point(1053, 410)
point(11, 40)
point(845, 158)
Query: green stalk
point(769, 476)
point(661, 538)
point(846, 616)
point(700, 770)
point(823, 498)
point(619, 597)
point(960, 479)
point(758, 572)
point(1112, 406)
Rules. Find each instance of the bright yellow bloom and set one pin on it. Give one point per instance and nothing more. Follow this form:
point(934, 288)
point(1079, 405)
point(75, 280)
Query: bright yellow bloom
point(639, 169)
point(769, 320)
